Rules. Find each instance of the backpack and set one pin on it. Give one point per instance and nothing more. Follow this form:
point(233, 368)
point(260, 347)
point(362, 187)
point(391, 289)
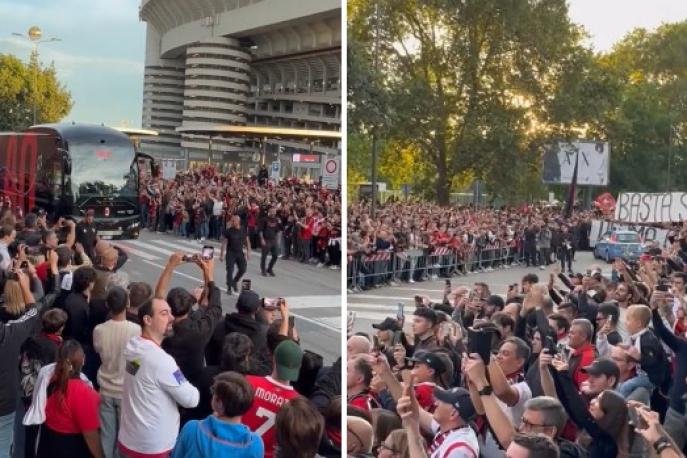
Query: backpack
point(29, 366)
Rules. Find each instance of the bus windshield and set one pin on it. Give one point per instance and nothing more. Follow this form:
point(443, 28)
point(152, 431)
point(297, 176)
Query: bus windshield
point(102, 170)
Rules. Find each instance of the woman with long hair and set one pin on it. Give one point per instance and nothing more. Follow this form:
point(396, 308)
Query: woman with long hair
point(395, 445)
point(72, 422)
point(605, 422)
point(383, 422)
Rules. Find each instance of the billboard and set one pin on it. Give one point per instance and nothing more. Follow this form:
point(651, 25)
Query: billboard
point(592, 169)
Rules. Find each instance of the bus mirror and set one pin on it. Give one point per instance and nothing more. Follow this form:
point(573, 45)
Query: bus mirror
point(66, 161)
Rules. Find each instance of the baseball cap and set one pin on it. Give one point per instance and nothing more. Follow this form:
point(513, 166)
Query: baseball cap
point(288, 358)
point(603, 367)
point(459, 398)
point(389, 324)
point(433, 360)
point(248, 302)
point(426, 313)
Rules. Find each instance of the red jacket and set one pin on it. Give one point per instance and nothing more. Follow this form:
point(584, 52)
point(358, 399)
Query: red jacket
point(584, 357)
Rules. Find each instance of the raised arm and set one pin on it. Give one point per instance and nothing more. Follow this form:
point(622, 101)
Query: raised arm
point(500, 424)
point(71, 235)
point(574, 403)
point(502, 388)
point(674, 342)
point(547, 384)
point(207, 317)
point(165, 278)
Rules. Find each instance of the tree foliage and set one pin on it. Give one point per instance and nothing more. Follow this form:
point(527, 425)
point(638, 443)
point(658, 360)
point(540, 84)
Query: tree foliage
point(17, 94)
point(478, 88)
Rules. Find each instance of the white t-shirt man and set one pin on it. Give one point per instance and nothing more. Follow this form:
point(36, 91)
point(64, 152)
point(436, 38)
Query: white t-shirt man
point(153, 386)
point(217, 206)
point(490, 447)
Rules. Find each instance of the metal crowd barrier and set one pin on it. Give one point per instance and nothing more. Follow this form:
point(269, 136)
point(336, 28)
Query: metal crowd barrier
point(365, 271)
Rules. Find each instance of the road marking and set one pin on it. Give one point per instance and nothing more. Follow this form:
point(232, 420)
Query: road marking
point(317, 322)
point(390, 298)
point(304, 318)
point(371, 316)
point(311, 302)
point(148, 246)
point(135, 252)
point(176, 246)
point(161, 267)
point(194, 244)
point(334, 321)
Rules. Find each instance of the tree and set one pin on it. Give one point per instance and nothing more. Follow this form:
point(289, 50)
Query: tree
point(464, 79)
point(17, 94)
point(648, 125)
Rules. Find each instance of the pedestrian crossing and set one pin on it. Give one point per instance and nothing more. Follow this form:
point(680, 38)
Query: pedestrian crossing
point(324, 311)
point(373, 308)
point(159, 250)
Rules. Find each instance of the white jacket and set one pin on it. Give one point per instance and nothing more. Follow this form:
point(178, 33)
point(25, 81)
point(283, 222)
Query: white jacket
point(35, 415)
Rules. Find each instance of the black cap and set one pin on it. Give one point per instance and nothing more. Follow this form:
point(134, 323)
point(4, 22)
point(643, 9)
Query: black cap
point(248, 302)
point(433, 360)
point(389, 324)
point(603, 367)
point(459, 398)
point(427, 313)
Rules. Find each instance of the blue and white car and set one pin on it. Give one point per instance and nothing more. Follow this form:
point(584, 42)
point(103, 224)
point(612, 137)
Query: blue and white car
point(619, 244)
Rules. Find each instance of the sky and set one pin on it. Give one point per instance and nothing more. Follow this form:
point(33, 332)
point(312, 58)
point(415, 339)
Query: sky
point(607, 21)
point(101, 56)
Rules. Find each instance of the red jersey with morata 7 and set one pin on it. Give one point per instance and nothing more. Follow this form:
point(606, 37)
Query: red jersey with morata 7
point(269, 396)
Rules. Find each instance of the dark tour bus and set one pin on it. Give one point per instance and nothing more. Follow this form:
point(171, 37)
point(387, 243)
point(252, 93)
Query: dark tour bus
point(68, 169)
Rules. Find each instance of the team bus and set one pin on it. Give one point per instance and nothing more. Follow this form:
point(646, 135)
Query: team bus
point(68, 169)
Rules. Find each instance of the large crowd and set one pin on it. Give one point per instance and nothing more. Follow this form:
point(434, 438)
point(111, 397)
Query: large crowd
point(566, 365)
point(198, 204)
point(95, 365)
point(428, 240)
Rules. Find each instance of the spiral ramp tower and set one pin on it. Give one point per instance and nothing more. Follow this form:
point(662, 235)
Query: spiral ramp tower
point(270, 63)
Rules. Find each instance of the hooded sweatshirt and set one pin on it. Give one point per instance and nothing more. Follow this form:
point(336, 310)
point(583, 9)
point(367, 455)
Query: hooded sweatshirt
point(249, 326)
point(213, 437)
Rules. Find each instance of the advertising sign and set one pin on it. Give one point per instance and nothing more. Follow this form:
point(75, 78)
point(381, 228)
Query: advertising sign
point(593, 166)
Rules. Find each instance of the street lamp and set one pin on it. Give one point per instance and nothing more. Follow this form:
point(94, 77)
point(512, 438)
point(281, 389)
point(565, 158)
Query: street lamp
point(35, 35)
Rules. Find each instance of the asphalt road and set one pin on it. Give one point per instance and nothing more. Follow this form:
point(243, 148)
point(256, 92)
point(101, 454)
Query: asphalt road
point(373, 305)
point(313, 294)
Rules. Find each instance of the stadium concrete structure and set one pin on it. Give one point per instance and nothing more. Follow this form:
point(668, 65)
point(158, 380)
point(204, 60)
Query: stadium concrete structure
point(241, 62)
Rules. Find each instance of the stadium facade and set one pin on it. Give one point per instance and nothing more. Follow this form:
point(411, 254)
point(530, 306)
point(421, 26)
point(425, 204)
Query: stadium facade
point(273, 63)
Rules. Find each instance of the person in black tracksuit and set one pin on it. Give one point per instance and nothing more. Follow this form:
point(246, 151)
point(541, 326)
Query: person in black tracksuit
point(269, 230)
point(566, 248)
point(233, 241)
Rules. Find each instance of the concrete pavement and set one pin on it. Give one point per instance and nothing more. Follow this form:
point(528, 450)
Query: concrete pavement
point(313, 294)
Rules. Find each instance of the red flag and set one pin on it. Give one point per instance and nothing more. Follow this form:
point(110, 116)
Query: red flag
point(606, 203)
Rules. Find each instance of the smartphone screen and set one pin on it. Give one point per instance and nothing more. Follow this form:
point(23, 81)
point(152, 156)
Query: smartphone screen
point(208, 252)
point(636, 419)
point(399, 313)
point(397, 338)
